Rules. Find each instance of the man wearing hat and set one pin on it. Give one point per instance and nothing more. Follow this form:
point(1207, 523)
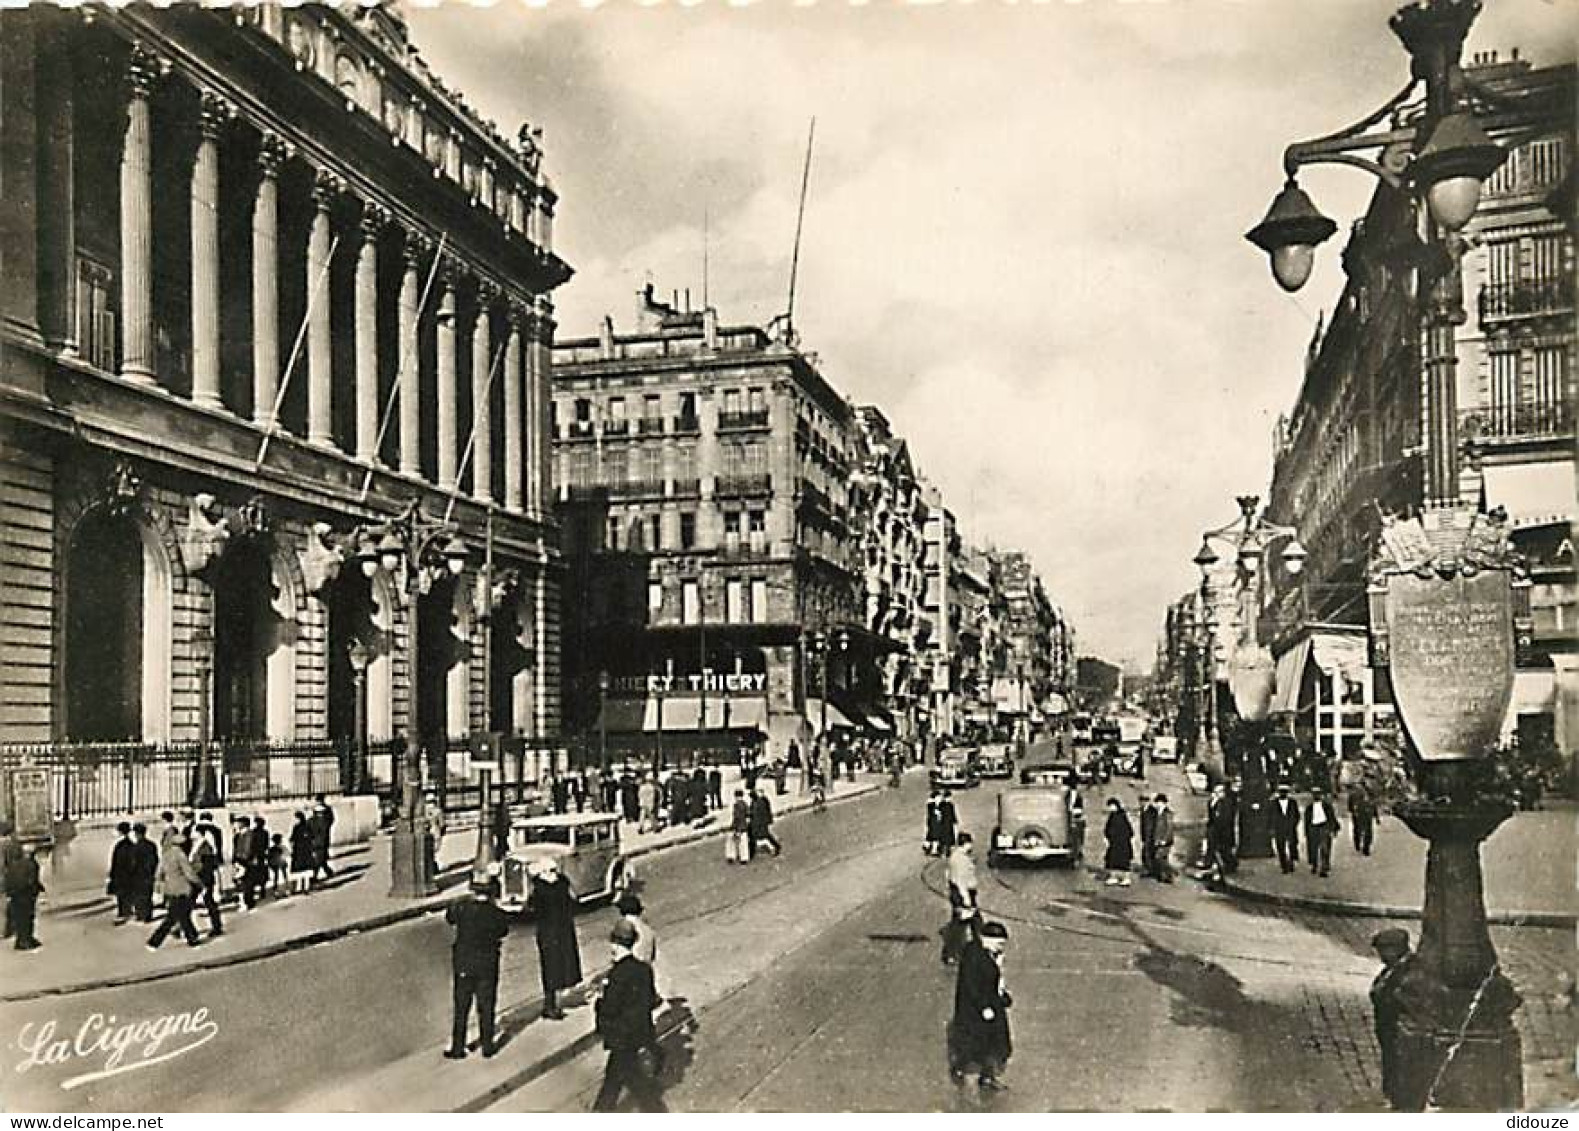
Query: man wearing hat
point(1321, 825)
point(1392, 947)
point(630, 908)
point(480, 926)
point(1285, 828)
point(624, 1020)
point(978, 1034)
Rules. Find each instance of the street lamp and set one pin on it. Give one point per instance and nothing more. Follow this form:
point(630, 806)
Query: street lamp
point(361, 654)
point(1458, 1046)
point(603, 722)
point(415, 551)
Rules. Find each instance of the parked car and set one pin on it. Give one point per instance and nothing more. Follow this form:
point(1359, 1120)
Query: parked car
point(1165, 748)
point(995, 761)
point(1043, 819)
point(956, 769)
point(586, 845)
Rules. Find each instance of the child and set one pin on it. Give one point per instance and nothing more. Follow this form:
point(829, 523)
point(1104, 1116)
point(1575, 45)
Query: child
point(276, 863)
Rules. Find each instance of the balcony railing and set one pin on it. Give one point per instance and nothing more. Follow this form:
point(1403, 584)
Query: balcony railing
point(689, 487)
point(750, 418)
point(1515, 421)
point(687, 425)
point(616, 427)
point(735, 486)
point(637, 489)
point(1526, 299)
point(650, 426)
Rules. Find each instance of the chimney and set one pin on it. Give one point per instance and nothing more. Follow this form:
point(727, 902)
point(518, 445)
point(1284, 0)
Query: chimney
point(606, 337)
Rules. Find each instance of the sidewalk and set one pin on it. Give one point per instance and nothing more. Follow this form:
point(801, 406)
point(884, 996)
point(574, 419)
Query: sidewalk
point(1528, 867)
point(83, 949)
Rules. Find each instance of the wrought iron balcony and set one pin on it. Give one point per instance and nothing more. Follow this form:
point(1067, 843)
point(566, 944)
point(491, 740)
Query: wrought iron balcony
point(616, 427)
point(650, 426)
point(734, 486)
point(689, 487)
point(1533, 298)
point(1517, 421)
point(687, 425)
point(737, 421)
point(637, 489)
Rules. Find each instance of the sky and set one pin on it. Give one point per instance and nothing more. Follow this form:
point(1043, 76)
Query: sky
point(1023, 237)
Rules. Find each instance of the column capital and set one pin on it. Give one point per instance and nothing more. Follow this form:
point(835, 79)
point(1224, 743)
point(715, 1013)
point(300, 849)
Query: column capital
point(543, 324)
point(273, 151)
point(487, 291)
point(520, 317)
point(375, 218)
point(143, 70)
point(416, 250)
point(214, 112)
point(326, 188)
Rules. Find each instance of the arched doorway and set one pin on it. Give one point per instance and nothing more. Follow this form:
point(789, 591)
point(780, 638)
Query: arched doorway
point(254, 657)
point(105, 612)
point(443, 659)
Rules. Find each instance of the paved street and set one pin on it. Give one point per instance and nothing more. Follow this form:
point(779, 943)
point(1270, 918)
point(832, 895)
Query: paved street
point(806, 982)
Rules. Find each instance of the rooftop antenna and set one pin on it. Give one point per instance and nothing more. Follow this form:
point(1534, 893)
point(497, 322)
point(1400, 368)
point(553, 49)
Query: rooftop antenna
point(800, 218)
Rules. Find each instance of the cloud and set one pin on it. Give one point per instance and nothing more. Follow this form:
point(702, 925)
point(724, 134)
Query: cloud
point(1024, 235)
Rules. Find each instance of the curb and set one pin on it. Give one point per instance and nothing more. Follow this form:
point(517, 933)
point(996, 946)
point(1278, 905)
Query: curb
point(710, 830)
point(323, 935)
point(1390, 911)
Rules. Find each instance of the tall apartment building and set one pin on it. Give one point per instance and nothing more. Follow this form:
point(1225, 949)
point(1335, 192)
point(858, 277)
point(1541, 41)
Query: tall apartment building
point(228, 232)
point(704, 473)
point(1035, 669)
point(892, 516)
point(1356, 439)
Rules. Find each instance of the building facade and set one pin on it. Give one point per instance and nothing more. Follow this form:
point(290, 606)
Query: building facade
point(273, 295)
point(1357, 441)
point(1035, 664)
point(705, 478)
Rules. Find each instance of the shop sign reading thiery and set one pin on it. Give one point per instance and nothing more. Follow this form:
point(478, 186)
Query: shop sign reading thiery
point(745, 683)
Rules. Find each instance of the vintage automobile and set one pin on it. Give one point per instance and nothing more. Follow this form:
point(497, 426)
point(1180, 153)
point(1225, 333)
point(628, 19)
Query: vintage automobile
point(1095, 764)
point(1043, 818)
point(1165, 748)
point(995, 761)
point(586, 847)
point(955, 769)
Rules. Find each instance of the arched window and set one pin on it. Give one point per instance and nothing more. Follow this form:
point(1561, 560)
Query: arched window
point(104, 631)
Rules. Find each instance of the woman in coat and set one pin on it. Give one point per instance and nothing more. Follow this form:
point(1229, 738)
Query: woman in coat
point(558, 955)
point(303, 857)
point(1120, 836)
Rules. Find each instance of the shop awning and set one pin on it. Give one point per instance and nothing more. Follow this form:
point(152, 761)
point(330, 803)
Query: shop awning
point(686, 713)
point(1055, 704)
point(881, 725)
point(1290, 674)
point(837, 719)
point(1533, 493)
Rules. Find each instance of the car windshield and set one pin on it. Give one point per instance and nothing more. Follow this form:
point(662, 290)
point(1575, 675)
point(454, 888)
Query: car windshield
point(545, 834)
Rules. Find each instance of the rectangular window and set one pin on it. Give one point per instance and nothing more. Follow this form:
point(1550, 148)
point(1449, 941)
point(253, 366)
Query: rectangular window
point(731, 524)
point(687, 530)
point(654, 599)
point(731, 401)
point(690, 602)
point(654, 532)
point(617, 409)
point(756, 400)
point(687, 406)
point(1504, 388)
point(759, 600)
point(651, 407)
point(553, 418)
point(759, 522)
point(651, 463)
point(1502, 263)
point(583, 410)
point(1546, 258)
point(612, 536)
point(735, 601)
point(616, 466)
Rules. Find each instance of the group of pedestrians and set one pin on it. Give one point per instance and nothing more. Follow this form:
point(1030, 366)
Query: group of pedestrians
point(624, 1000)
point(189, 867)
point(750, 827)
point(1156, 841)
point(942, 823)
point(1319, 823)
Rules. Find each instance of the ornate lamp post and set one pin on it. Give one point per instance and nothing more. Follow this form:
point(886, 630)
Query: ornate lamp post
point(1444, 589)
point(361, 655)
point(415, 551)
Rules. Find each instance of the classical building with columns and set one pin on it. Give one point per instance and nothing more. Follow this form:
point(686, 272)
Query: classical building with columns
point(268, 285)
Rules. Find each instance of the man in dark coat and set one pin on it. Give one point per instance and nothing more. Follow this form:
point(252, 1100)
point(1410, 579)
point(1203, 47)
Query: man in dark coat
point(698, 794)
point(145, 855)
point(1285, 828)
point(624, 1020)
point(1222, 823)
point(123, 874)
point(630, 798)
point(322, 822)
point(10, 854)
point(715, 788)
point(979, 1032)
point(1120, 837)
point(1392, 947)
point(1148, 839)
point(948, 823)
point(678, 792)
point(559, 793)
point(206, 859)
point(929, 844)
point(1321, 825)
point(762, 823)
point(558, 954)
point(22, 889)
point(1362, 816)
point(474, 964)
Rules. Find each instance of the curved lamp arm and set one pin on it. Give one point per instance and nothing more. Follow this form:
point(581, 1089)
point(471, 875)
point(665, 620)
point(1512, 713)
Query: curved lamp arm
point(1338, 148)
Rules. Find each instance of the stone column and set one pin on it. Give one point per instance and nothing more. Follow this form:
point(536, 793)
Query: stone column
point(410, 362)
point(482, 409)
point(137, 285)
point(212, 116)
point(513, 462)
point(265, 283)
point(447, 380)
point(373, 220)
point(320, 375)
point(540, 471)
